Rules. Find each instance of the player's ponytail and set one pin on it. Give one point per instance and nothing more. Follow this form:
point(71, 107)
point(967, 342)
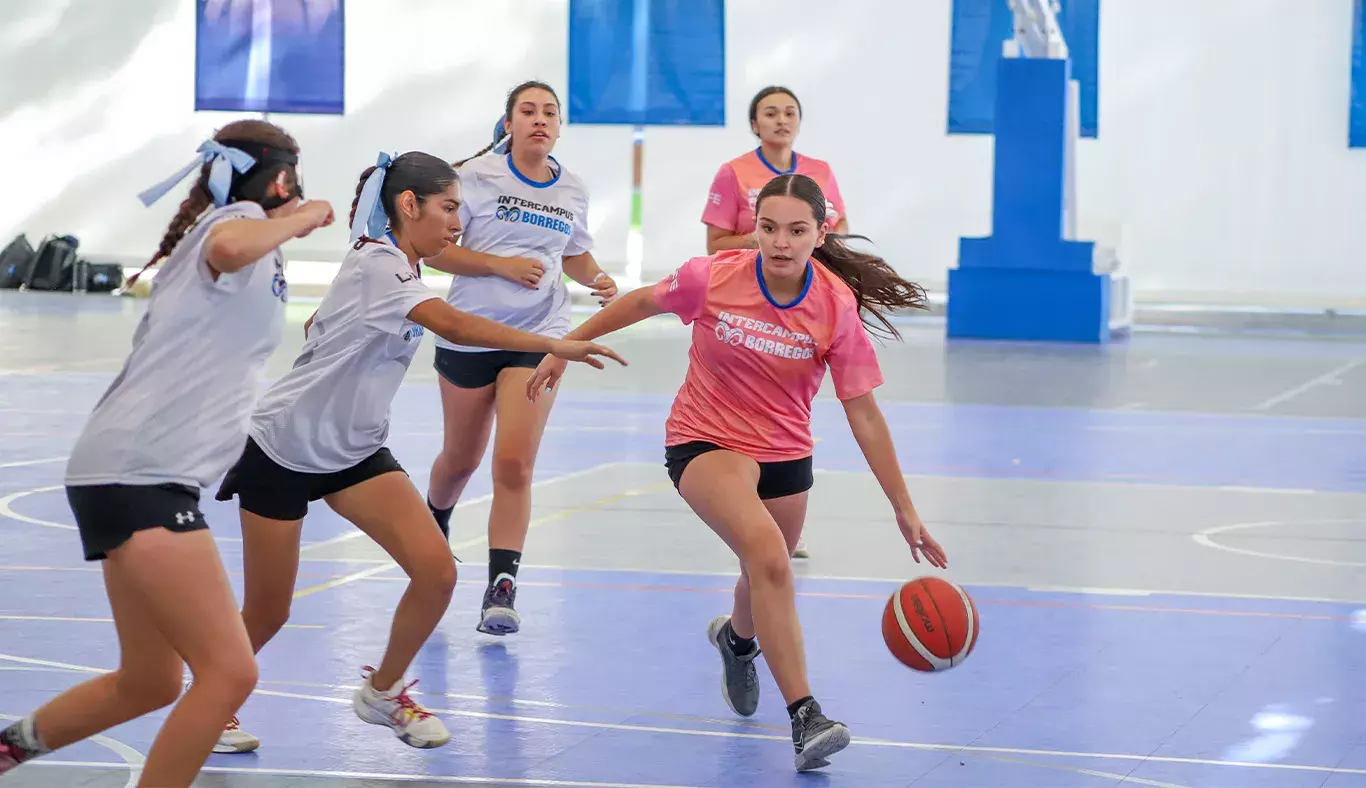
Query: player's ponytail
point(373, 210)
point(877, 286)
point(240, 163)
point(502, 138)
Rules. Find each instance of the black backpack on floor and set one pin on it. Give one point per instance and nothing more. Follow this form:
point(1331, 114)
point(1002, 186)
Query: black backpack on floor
point(53, 264)
point(16, 262)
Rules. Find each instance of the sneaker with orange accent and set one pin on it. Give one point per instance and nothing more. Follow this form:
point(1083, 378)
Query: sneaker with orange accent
point(396, 710)
point(234, 739)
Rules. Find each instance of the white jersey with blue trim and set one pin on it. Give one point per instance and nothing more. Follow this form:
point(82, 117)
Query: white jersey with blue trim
point(177, 413)
point(332, 409)
point(508, 214)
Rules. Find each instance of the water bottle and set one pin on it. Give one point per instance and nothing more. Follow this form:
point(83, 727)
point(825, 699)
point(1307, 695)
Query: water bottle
point(80, 275)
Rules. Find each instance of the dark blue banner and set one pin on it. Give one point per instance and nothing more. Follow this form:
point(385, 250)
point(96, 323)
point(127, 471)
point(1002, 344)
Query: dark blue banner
point(980, 30)
point(647, 62)
point(1356, 135)
point(286, 56)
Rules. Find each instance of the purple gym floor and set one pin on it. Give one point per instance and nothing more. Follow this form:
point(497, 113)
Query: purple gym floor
point(1163, 538)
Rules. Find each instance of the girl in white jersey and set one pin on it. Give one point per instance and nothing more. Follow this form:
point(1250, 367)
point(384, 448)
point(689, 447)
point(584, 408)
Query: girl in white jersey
point(320, 431)
point(171, 423)
point(526, 226)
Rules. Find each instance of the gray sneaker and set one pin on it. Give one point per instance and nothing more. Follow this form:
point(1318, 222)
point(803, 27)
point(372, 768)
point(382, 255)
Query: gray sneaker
point(739, 678)
point(816, 737)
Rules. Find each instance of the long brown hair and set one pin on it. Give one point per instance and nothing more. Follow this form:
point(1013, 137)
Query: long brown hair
point(250, 185)
point(877, 286)
point(507, 116)
point(420, 173)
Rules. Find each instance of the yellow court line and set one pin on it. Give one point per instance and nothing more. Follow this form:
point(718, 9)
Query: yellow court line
point(550, 518)
point(90, 620)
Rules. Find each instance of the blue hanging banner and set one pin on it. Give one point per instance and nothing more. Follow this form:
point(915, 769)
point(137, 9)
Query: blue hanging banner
point(647, 62)
point(1356, 134)
point(279, 56)
point(980, 30)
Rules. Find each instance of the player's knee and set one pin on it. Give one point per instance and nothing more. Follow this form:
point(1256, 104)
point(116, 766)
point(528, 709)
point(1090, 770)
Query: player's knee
point(512, 471)
point(227, 678)
point(150, 691)
point(435, 577)
point(238, 676)
point(769, 563)
point(456, 465)
point(267, 618)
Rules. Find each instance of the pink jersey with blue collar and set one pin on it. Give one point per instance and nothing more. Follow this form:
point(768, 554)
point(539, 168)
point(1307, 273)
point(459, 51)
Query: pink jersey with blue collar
point(735, 190)
point(755, 366)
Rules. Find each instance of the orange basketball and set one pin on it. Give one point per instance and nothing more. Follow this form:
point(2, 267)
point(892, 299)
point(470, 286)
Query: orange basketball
point(930, 624)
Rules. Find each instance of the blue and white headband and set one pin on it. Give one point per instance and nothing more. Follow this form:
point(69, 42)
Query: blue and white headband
point(225, 159)
point(371, 220)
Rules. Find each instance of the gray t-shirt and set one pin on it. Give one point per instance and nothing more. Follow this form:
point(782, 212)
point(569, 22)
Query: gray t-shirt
point(332, 409)
point(178, 411)
point(504, 213)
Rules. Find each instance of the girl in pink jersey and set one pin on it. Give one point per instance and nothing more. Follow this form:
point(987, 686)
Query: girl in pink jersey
point(766, 326)
point(775, 117)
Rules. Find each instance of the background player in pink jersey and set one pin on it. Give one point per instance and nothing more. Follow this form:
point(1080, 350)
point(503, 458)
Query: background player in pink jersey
point(766, 326)
point(775, 117)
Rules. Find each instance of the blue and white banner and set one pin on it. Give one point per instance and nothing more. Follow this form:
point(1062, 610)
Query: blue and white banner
point(286, 56)
point(1356, 134)
point(981, 28)
point(647, 62)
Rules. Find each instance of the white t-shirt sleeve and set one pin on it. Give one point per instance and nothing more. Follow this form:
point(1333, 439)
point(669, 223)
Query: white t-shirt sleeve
point(391, 289)
point(235, 281)
point(469, 186)
point(580, 240)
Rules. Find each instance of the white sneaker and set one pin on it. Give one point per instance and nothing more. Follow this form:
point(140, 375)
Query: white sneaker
point(234, 739)
point(412, 724)
point(800, 550)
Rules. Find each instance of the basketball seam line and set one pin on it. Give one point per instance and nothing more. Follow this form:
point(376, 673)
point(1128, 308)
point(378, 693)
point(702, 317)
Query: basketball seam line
point(948, 643)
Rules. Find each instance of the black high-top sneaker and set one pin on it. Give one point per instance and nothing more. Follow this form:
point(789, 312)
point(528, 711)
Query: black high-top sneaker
point(498, 616)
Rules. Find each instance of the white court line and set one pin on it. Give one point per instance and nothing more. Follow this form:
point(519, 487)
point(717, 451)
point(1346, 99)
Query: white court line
point(346, 537)
point(891, 581)
point(378, 776)
point(458, 546)
point(132, 759)
point(1330, 376)
point(26, 463)
point(966, 749)
point(1202, 537)
point(7, 511)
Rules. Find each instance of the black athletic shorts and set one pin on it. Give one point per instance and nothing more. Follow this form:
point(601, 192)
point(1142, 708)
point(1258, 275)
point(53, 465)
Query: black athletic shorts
point(776, 479)
point(107, 515)
point(471, 369)
point(267, 489)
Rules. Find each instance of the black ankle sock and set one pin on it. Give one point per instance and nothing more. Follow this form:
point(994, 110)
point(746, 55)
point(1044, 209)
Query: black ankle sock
point(503, 562)
point(443, 518)
point(797, 704)
point(738, 646)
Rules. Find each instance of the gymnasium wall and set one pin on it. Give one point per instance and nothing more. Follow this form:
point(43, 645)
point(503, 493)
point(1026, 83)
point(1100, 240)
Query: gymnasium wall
point(1222, 170)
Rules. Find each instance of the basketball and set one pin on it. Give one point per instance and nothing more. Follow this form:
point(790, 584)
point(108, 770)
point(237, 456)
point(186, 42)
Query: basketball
point(930, 624)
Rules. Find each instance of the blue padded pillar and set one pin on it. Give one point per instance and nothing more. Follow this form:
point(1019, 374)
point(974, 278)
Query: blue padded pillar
point(1027, 280)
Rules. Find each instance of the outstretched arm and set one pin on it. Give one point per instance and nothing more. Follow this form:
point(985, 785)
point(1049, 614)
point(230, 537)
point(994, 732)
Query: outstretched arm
point(875, 439)
point(463, 328)
point(628, 310)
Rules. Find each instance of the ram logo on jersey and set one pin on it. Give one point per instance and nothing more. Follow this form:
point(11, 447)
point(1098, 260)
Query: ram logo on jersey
point(527, 212)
